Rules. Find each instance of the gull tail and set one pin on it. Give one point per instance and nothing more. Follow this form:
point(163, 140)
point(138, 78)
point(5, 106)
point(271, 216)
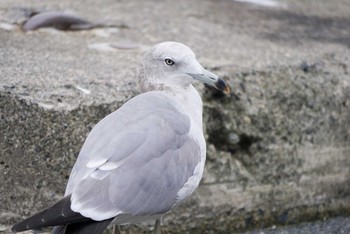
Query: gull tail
point(65, 220)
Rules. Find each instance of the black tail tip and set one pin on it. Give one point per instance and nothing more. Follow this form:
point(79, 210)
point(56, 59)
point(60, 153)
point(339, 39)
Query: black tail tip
point(18, 227)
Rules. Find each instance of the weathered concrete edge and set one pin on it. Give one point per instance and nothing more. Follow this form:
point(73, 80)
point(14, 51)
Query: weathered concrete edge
point(244, 218)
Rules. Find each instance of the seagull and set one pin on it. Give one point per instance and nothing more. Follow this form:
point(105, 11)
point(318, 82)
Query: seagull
point(142, 160)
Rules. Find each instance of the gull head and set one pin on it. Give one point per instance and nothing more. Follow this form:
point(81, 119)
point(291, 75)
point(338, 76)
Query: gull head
point(174, 65)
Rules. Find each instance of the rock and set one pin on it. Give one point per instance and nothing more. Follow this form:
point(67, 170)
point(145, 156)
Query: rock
point(291, 151)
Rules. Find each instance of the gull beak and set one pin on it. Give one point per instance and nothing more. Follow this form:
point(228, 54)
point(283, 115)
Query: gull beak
point(211, 79)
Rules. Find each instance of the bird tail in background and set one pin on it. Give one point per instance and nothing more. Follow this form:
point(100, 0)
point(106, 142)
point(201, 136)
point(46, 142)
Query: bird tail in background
point(87, 227)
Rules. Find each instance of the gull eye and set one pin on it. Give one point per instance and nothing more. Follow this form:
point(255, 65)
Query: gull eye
point(169, 62)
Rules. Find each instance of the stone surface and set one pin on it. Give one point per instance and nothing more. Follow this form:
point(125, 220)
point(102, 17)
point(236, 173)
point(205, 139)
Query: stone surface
point(278, 148)
point(339, 225)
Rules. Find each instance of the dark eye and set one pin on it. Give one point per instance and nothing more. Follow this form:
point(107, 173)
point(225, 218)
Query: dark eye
point(169, 62)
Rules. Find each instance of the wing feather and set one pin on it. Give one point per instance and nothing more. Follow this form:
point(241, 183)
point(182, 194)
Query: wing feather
point(136, 160)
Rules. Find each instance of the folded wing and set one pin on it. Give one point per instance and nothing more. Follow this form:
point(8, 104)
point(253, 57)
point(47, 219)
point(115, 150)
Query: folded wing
point(136, 160)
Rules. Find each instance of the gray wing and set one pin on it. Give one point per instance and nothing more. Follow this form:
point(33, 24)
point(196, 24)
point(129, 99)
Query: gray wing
point(135, 160)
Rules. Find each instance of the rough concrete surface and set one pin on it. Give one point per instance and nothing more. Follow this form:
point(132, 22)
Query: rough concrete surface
point(339, 225)
point(278, 148)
